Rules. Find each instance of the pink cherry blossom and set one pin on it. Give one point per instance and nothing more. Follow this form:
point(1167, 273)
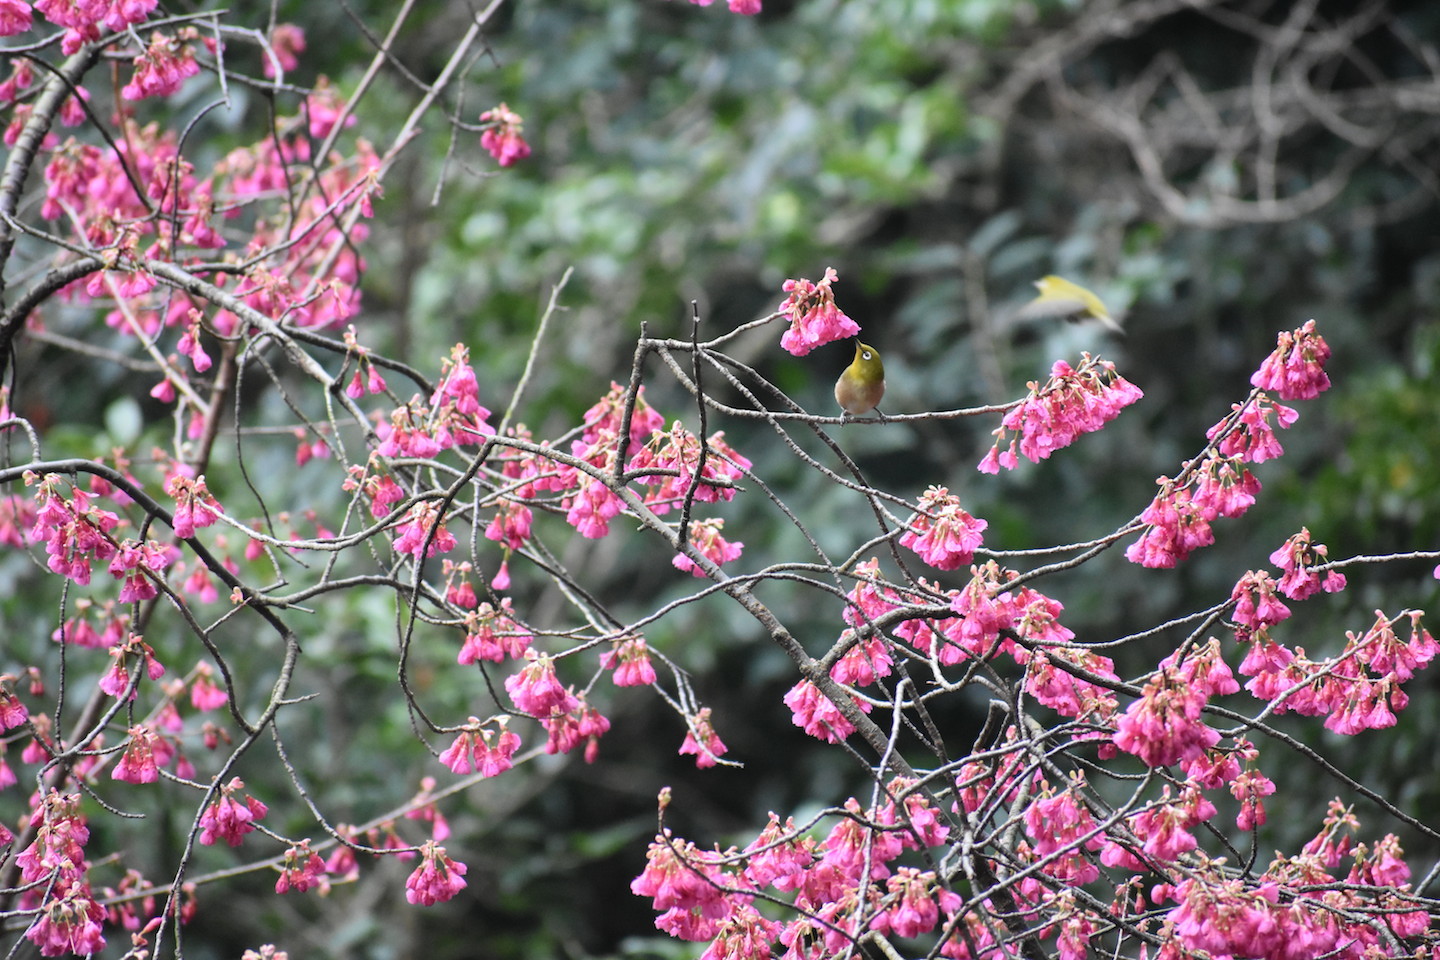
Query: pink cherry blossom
point(510, 525)
point(287, 41)
point(437, 879)
point(229, 818)
point(667, 466)
point(492, 633)
point(324, 107)
point(1164, 726)
point(603, 421)
point(1296, 368)
point(1295, 558)
point(1249, 435)
point(205, 693)
point(1061, 826)
point(778, 853)
point(1250, 788)
point(1073, 402)
point(592, 508)
point(1175, 527)
point(814, 317)
point(161, 68)
point(302, 869)
point(687, 885)
point(423, 529)
point(137, 764)
point(864, 662)
point(75, 532)
point(581, 724)
point(195, 507)
point(630, 659)
point(1049, 680)
point(116, 680)
point(14, 17)
point(705, 537)
point(13, 713)
point(69, 922)
point(1166, 827)
point(917, 904)
point(503, 138)
point(478, 747)
point(1256, 604)
point(701, 740)
point(816, 715)
point(124, 13)
point(943, 534)
point(537, 691)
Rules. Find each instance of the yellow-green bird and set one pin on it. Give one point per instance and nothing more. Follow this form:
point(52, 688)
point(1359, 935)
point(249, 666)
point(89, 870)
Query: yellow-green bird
point(1061, 298)
point(862, 385)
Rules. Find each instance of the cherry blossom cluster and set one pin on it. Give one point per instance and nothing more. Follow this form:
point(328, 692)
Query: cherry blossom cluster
point(710, 895)
point(814, 318)
point(705, 537)
point(1295, 370)
point(568, 718)
point(980, 621)
point(1178, 521)
point(503, 137)
point(941, 532)
point(621, 445)
point(1301, 906)
point(1074, 401)
point(163, 65)
point(437, 879)
point(77, 534)
point(989, 853)
point(665, 469)
point(54, 870)
point(1075, 841)
point(747, 8)
point(82, 20)
point(486, 750)
point(668, 468)
point(136, 201)
point(231, 818)
point(1358, 689)
point(68, 919)
point(277, 229)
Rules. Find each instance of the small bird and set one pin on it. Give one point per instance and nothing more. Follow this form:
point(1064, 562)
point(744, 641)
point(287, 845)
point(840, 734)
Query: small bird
point(862, 385)
point(1061, 298)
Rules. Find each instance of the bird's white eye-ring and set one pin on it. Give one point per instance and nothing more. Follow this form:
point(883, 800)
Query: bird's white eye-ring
point(866, 354)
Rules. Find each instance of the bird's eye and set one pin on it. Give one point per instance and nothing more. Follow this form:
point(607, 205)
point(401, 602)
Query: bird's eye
point(867, 355)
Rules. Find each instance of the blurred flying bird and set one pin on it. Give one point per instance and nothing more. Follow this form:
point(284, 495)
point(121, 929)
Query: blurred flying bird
point(1061, 298)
